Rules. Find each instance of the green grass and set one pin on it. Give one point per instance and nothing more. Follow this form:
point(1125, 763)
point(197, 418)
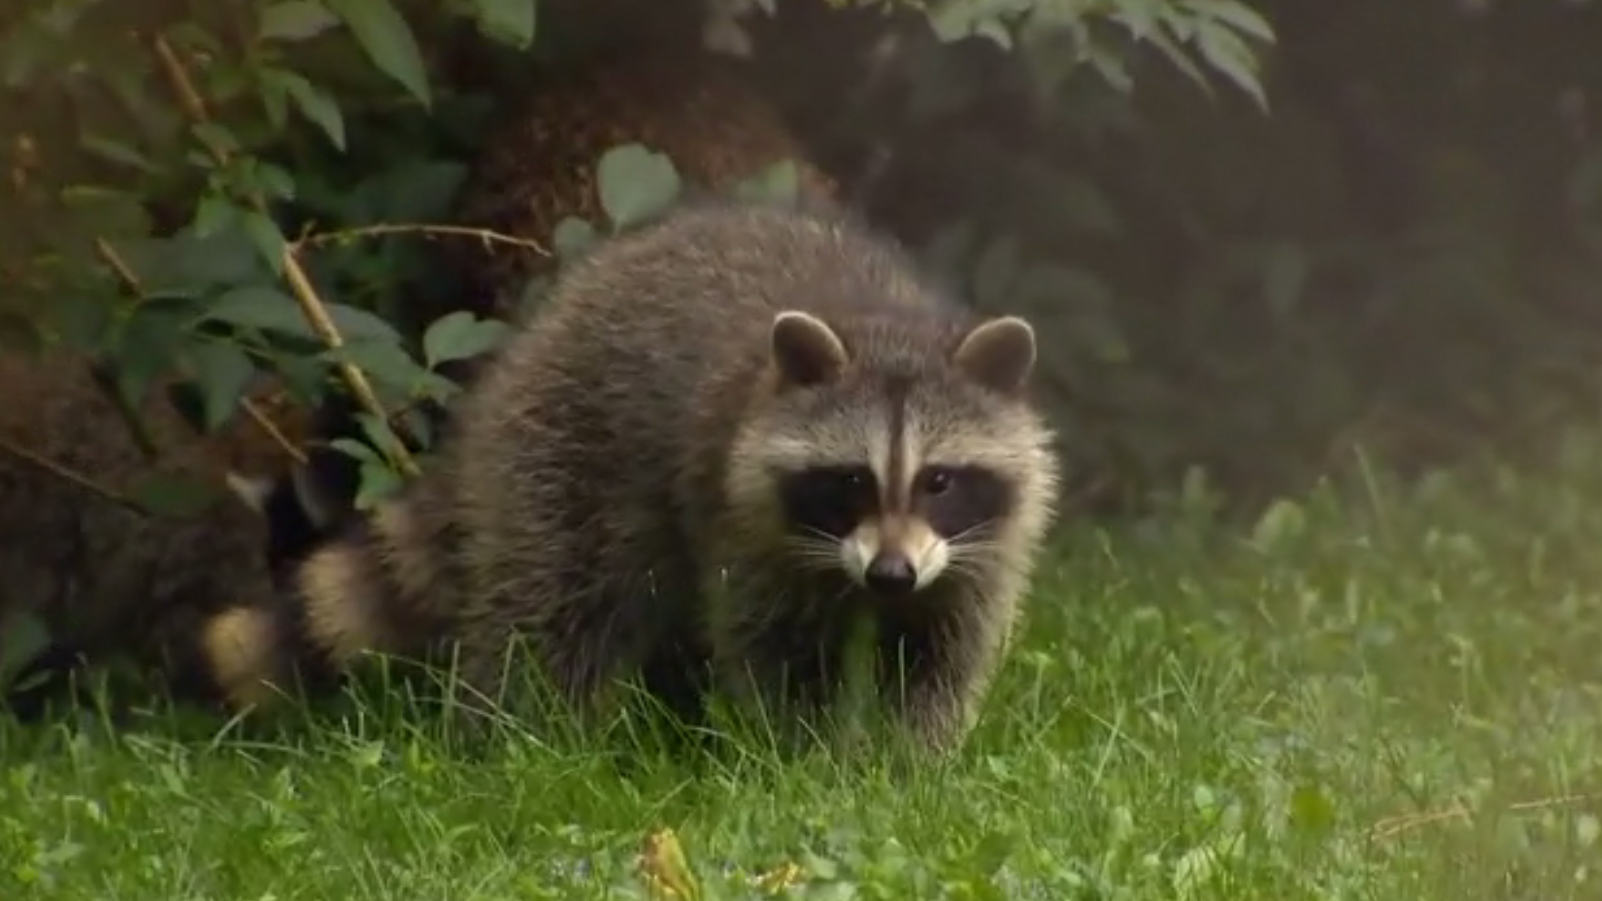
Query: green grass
point(1193, 714)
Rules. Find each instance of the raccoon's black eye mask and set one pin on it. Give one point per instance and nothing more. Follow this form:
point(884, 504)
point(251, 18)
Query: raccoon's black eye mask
point(829, 499)
point(954, 500)
point(957, 499)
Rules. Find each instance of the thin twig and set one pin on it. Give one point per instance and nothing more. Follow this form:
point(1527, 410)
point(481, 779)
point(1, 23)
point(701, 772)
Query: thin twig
point(323, 324)
point(311, 305)
point(393, 228)
point(130, 282)
point(63, 472)
point(266, 424)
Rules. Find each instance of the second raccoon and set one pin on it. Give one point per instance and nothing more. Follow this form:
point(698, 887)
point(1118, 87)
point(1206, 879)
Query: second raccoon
point(726, 438)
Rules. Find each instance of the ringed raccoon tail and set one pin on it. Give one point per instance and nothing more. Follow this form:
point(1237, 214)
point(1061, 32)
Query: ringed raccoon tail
point(728, 442)
point(364, 590)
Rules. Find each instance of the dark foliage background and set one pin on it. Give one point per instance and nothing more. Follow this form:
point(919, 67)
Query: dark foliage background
point(1251, 251)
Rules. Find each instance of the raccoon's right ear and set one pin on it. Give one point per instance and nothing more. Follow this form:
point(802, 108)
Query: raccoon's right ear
point(805, 350)
point(998, 354)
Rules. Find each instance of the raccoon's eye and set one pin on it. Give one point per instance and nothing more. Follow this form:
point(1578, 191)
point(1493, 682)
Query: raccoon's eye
point(937, 480)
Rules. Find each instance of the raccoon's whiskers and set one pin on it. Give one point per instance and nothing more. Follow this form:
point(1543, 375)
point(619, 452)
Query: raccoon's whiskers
point(820, 553)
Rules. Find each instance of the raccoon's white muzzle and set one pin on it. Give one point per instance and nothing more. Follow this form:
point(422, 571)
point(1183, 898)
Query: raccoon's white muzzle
point(894, 556)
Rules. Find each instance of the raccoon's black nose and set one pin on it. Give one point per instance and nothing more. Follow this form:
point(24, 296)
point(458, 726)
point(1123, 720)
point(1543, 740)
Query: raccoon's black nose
point(890, 574)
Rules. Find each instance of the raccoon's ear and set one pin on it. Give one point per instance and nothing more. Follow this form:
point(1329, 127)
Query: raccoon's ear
point(805, 350)
point(998, 354)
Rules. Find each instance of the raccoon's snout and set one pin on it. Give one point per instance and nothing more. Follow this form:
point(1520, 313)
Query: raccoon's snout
point(893, 558)
point(891, 574)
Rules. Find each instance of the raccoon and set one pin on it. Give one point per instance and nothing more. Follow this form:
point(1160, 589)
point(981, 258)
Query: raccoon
point(725, 441)
point(104, 577)
point(538, 165)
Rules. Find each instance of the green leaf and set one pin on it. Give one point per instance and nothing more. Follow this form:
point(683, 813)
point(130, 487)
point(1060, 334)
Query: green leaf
point(386, 361)
point(146, 345)
point(571, 236)
point(214, 213)
point(1140, 18)
point(378, 432)
point(1237, 15)
point(217, 137)
point(996, 30)
point(1225, 51)
point(306, 378)
point(166, 494)
point(1181, 60)
point(778, 183)
point(259, 307)
point(635, 184)
point(191, 263)
point(388, 41)
point(115, 214)
point(272, 181)
point(1282, 521)
point(508, 21)
point(460, 336)
point(275, 100)
point(316, 105)
point(418, 426)
point(223, 373)
point(269, 309)
point(413, 190)
point(119, 152)
point(1112, 66)
point(378, 482)
point(356, 450)
point(295, 20)
point(264, 233)
point(24, 637)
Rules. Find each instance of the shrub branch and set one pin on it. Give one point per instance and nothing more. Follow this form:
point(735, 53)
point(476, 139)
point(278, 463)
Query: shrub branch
point(311, 305)
point(56, 469)
point(483, 235)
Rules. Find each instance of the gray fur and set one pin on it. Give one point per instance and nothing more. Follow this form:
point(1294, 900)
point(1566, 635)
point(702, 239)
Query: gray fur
point(610, 494)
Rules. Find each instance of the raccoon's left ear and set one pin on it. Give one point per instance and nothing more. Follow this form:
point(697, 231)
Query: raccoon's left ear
point(998, 354)
point(805, 350)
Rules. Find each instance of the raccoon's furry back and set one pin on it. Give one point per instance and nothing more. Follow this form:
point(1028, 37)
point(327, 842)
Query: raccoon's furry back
point(103, 576)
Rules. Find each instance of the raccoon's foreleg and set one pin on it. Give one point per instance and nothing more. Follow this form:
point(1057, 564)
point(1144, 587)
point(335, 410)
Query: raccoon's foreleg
point(578, 638)
point(784, 666)
point(934, 673)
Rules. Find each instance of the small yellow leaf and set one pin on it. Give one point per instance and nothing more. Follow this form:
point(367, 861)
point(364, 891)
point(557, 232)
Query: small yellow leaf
point(664, 869)
point(777, 880)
